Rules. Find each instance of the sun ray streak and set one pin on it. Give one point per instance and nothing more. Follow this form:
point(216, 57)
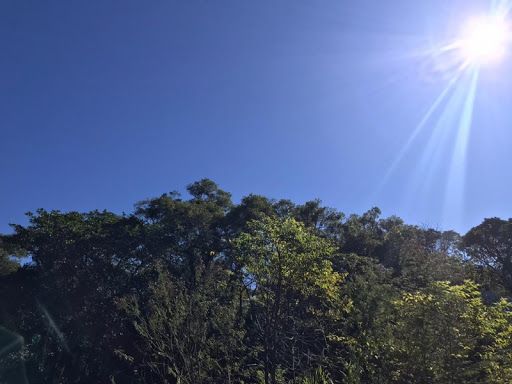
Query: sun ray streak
point(421, 125)
point(15, 342)
point(501, 8)
point(431, 163)
point(445, 128)
point(53, 327)
point(455, 189)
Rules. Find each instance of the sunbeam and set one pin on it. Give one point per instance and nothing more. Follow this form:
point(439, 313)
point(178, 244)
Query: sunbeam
point(433, 158)
point(483, 43)
point(12, 357)
point(454, 194)
point(53, 327)
point(501, 8)
point(421, 125)
point(9, 340)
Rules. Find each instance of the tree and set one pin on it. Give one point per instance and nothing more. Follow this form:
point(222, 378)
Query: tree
point(185, 335)
point(185, 234)
point(201, 290)
point(490, 246)
point(207, 190)
point(7, 264)
point(81, 263)
point(419, 256)
point(364, 234)
point(369, 288)
point(326, 221)
point(446, 334)
point(292, 286)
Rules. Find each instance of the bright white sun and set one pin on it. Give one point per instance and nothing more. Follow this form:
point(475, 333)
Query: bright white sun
point(485, 40)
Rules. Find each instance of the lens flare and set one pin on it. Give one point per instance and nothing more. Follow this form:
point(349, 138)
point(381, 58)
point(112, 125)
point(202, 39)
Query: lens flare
point(484, 40)
point(458, 60)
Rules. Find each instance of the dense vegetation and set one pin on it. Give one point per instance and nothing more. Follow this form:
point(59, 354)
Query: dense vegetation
point(200, 290)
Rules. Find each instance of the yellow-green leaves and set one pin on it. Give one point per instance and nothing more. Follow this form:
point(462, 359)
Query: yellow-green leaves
point(294, 290)
point(283, 255)
point(446, 332)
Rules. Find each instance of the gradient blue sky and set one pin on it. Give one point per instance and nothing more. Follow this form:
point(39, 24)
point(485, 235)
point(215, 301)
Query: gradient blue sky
point(104, 103)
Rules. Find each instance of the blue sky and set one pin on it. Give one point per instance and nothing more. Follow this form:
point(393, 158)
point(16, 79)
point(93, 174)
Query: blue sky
point(104, 103)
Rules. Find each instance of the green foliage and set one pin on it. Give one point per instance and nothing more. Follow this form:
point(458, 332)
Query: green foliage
point(446, 334)
point(185, 335)
point(7, 265)
point(489, 245)
point(201, 290)
point(293, 290)
point(281, 256)
point(319, 376)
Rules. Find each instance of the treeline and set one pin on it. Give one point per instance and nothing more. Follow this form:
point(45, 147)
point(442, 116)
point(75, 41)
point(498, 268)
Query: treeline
point(201, 290)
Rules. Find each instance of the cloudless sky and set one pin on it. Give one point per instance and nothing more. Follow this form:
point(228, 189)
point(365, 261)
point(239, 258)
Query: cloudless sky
point(104, 103)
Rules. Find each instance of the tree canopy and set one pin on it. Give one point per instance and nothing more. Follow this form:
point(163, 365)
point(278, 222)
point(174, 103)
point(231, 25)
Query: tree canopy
point(200, 289)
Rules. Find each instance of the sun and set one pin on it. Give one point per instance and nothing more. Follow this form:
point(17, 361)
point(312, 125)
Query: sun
point(485, 40)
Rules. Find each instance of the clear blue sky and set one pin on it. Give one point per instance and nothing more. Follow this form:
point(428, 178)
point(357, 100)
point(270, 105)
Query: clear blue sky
point(104, 103)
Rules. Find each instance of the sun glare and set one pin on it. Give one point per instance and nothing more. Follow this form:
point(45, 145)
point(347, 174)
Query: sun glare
point(485, 40)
